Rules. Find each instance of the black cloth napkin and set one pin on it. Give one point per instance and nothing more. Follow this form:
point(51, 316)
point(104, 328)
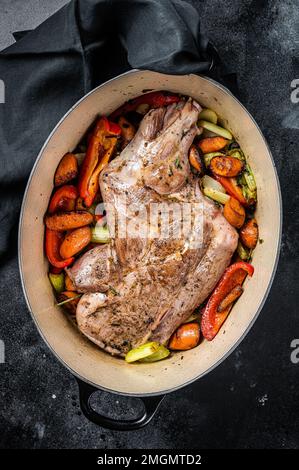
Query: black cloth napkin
point(84, 44)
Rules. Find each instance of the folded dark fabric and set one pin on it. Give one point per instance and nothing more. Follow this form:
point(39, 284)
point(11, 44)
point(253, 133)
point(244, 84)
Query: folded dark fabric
point(79, 47)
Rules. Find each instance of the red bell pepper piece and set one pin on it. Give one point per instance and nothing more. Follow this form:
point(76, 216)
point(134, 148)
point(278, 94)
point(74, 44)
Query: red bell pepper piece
point(100, 147)
point(53, 241)
point(212, 319)
point(113, 128)
point(155, 99)
point(231, 187)
point(63, 199)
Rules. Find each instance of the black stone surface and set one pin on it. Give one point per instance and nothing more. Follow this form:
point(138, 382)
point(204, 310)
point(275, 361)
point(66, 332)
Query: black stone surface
point(251, 400)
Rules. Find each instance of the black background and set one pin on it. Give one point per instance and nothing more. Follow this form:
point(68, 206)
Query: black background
point(249, 401)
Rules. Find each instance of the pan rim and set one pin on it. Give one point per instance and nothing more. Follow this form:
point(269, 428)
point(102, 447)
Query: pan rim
point(266, 293)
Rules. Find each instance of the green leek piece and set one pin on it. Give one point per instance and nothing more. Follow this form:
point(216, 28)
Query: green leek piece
point(209, 126)
point(217, 196)
point(241, 180)
point(160, 354)
point(142, 351)
point(100, 234)
point(237, 153)
point(209, 182)
point(250, 196)
point(57, 281)
point(208, 115)
point(247, 182)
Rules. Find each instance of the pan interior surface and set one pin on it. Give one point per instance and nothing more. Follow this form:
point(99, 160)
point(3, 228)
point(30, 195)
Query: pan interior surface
point(76, 352)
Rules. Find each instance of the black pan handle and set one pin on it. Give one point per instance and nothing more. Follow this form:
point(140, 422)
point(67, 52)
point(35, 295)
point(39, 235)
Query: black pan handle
point(219, 71)
point(151, 405)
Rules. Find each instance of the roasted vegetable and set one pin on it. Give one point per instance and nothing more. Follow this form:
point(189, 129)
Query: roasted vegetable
point(217, 196)
point(100, 234)
point(214, 190)
point(68, 220)
point(127, 131)
point(233, 295)
point(155, 99)
point(249, 234)
point(69, 283)
point(208, 115)
point(185, 337)
point(195, 160)
point(141, 352)
point(212, 144)
point(160, 354)
point(249, 177)
point(80, 157)
point(209, 156)
point(57, 281)
point(67, 170)
point(234, 212)
point(247, 182)
point(249, 196)
point(54, 270)
point(226, 166)
point(75, 241)
point(231, 186)
point(237, 153)
point(142, 109)
point(53, 240)
point(212, 319)
point(68, 300)
point(209, 126)
point(209, 182)
point(101, 145)
point(242, 252)
point(193, 316)
point(63, 199)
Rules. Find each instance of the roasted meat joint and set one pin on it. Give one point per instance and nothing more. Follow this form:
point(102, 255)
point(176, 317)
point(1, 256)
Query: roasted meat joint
point(142, 231)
